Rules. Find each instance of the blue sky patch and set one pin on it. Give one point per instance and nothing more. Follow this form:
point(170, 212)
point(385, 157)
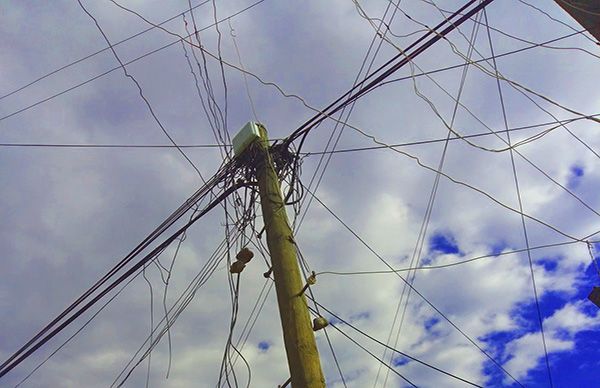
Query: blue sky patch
point(399, 361)
point(444, 243)
point(498, 248)
point(575, 176)
point(264, 346)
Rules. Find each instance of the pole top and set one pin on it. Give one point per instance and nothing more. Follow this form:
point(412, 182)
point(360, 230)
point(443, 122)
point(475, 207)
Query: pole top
point(247, 135)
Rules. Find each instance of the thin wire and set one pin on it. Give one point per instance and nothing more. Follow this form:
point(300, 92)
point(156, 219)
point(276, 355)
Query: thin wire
point(498, 77)
point(207, 110)
point(97, 52)
point(139, 88)
point(390, 67)
point(313, 298)
point(41, 338)
point(369, 352)
point(151, 321)
point(51, 97)
point(439, 140)
point(519, 197)
point(237, 50)
point(461, 183)
point(420, 243)
point(448, 265)
point(166, 290)
point(507, 53)
point(385, 262)
point(207, 270)
point(341, 117)
point(220, 59)
point(554, 19)
point(391, 348)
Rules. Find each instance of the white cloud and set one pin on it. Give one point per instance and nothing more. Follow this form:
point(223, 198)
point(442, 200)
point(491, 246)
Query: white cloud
point(68, 215)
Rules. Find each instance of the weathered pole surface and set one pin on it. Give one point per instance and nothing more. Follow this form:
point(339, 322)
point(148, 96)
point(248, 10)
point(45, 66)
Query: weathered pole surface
point(298, 336)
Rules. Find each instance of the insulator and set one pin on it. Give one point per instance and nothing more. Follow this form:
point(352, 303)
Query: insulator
point(319, 323)
point(244, 255)
point(237, 267)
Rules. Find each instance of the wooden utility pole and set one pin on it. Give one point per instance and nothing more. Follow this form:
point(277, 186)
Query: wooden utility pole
point(298, 336)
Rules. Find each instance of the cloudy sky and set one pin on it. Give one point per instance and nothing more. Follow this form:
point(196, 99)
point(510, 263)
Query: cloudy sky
point(68, 214)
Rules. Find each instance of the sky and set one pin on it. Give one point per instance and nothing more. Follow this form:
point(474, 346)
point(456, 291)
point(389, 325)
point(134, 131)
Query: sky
point(68, 214)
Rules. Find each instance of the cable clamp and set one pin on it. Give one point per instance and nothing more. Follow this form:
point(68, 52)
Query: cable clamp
point(311, 281)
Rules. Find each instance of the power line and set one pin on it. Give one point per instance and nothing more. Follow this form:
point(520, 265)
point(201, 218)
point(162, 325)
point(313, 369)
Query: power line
point(368, 351)
point(54, 327)
point(498, 76)
point(453, 264)
point(520, 200)
point(390, 67)
point(392, 348)
point(440, 140)
point(74, 145)
point(385, 262)
point(139, 88)
point(511, 52)
point(98, 52)
point(308, 153)
point(44, 100)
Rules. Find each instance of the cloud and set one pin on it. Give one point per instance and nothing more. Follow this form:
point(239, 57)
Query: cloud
point(561, 329)
point(68, 215)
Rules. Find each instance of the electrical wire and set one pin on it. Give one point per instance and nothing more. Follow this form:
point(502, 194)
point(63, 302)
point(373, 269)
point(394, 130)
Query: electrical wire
point(368, 352)
point(520, 200)
point(385, 262)
point(141, 93)
point(448, 265)
point(55, 326)
point(444, 139)
point(391, 66)
point(70, 64)
point(78, 85)
point(391, 348)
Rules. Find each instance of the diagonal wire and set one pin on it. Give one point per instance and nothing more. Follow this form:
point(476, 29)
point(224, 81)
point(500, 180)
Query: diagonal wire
point(391, 348)
point(518, 190)
point(417, 252)
point(97, 52)
point(386, 263)
point(140, 91)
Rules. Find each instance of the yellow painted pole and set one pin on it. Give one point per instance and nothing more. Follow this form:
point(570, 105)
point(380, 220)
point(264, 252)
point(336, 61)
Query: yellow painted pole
point(298, 336)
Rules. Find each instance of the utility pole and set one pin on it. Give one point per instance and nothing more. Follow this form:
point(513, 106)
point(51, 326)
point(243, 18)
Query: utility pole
point(298, 336)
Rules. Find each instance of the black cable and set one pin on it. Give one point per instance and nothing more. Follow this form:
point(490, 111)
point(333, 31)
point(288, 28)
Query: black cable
point(385, 262)
point(33, 344)
point(391, 348)
point(98, 52)
point(520, 201)
point(119, 67)
point(369, 352)
point(403, 58)
point(440, 140)
point(139, 88)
